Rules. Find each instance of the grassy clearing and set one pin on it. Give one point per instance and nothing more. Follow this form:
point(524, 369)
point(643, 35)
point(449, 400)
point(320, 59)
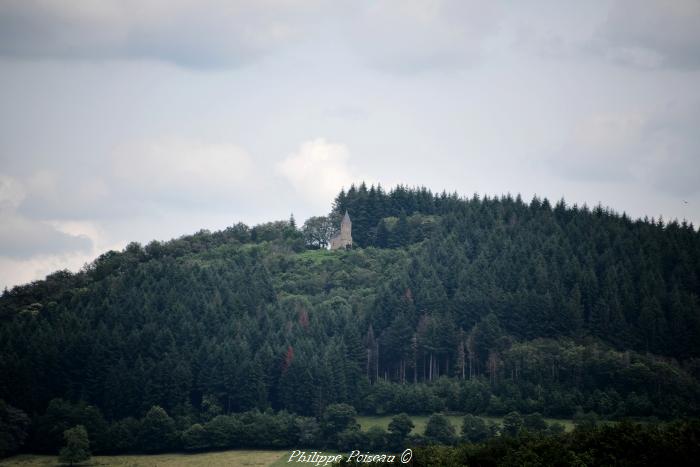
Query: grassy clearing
point(456, 420)
point(317, 256)
point(243, 458)
point(225, 458)
point(282, 461)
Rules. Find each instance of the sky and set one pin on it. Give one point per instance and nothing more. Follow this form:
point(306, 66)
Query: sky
point(132, 120)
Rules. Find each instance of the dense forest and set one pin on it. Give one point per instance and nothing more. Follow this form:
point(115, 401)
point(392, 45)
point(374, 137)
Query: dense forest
point(470, 305)
point(625, 444)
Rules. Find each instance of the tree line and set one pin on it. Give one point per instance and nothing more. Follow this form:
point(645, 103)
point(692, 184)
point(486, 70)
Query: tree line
point(622, 444)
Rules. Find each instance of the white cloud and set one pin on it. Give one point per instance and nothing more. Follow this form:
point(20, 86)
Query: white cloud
point(32, 248)
point(317, 170)
point(88, 229)
point(15, 271)
point(22, 237)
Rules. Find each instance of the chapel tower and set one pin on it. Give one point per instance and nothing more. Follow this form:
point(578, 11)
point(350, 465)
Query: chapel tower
point(343, 239)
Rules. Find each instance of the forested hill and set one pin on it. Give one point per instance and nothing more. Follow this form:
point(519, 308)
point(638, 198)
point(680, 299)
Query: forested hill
point(468, 304)
point(543, 270)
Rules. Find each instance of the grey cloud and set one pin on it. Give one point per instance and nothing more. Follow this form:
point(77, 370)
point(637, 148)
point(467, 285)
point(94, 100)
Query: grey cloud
point(393, 35)
point(348, 113)
point(661, 150)
point(137, 178)
point(213, 34)
point(651, 34)
point(412, 36)
point(24, 238)
point(57, 193)
point(673, 143)
point(547, 44)
point(582, 165)
point(601, 148)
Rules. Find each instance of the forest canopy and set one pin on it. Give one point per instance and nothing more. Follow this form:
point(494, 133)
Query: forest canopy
point(482, 305)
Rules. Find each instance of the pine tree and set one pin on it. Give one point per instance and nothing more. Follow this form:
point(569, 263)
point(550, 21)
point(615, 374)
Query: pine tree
point(382, 235)
point(401, 235)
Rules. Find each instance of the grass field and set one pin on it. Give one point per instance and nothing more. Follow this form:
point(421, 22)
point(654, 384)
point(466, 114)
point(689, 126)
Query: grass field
point(317, 256)
point(282, 461)
point(215, 459)
point(420, 420)
point(242, 458)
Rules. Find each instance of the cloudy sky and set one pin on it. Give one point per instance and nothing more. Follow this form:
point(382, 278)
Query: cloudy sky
point(127, 120)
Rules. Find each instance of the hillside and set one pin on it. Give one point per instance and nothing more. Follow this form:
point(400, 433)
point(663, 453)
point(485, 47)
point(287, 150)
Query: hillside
point(446, 303)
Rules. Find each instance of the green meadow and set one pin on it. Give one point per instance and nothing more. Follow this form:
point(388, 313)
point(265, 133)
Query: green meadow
point(238, 458)
point(242, 458)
